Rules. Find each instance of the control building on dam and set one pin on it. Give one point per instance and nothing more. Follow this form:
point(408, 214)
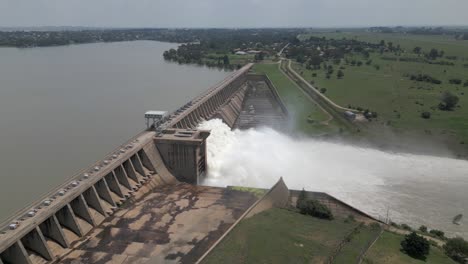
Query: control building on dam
point(142, 203)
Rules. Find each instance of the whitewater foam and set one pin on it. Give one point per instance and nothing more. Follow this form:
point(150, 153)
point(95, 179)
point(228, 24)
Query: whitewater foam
point(415, 189)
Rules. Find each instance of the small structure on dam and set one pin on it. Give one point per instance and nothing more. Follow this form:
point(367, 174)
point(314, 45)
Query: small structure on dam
point(141, 202)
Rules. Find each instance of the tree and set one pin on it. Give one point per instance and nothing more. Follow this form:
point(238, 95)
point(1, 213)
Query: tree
point(315, 208)
point(301, 199)
point(390, 46)
point(423, 229)
point(437, 233)
point(457, 249)
point(433, 54)
point(425, 115)
point(226, 60)
point(323, 90)
point(315, 61)
point(455, 81)
point(449, 101)
point(259, 56)
point(415, 246)
point(417, 50)
point(339, 74)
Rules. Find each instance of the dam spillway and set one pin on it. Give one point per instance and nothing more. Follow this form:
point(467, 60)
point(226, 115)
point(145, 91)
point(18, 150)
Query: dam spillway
point(158, 167)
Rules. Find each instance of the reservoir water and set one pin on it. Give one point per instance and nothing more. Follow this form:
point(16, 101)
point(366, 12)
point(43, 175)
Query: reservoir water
point(62, 108)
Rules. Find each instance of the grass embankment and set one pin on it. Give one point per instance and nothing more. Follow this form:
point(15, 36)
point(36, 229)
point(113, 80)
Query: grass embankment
point(351, 251)
point(387, 251)
point(399, 101)
point(309, 117)
point(281, 236)
point(256, 191)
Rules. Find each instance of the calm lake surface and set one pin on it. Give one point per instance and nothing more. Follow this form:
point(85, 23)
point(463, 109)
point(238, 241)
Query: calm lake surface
point(62, 108)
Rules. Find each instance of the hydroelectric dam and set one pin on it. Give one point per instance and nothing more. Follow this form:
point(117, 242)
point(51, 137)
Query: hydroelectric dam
point(142, 203)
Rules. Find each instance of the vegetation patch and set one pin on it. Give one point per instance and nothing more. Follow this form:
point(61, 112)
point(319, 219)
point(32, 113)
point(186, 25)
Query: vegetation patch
point(256, 191)
point(387, 250)
point(281, 236)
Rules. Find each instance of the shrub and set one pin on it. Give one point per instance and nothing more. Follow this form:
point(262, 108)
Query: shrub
point(349, 219)
point(301, 199)
point(423, 229)
point(406, 227)
point(323, 90)
point(424, 78)
point(457, 249)
point(449, 101)
point(415, 246)
point(437, 233)
point(465, 84)
point(426, 115)
point(340, 74)
point(455, 81)
point(315, 208)
point(314, 74)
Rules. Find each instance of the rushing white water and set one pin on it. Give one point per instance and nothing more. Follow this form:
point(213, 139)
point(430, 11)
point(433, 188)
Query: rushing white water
point(414, 189)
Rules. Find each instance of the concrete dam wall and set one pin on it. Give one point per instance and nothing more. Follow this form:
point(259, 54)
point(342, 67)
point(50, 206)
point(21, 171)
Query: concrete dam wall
point(57, 222)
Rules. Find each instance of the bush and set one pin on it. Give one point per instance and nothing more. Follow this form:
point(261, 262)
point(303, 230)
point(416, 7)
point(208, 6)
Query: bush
point(457, 249)
point(424, 78)
point(340, 74)
point(465, 84)
point(323, 90)
point(437, 233)
point(449, 101)
point(455, 81)
point(423, 229)
point(426, 115)
point(349, 219)
point(315, 208)
point(406, 227)
point(415, 246)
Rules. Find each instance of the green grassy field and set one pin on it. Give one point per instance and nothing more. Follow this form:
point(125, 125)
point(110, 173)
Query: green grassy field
point(281, 236)
point(399, 101)
point(351, 251)
point(387, 251)
point(298, 104)
point(256, 191)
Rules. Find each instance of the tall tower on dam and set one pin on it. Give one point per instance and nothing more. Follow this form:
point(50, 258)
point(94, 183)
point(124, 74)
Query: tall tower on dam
point(134, 204)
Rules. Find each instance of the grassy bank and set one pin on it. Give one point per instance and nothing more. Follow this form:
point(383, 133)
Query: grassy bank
point(351, 251)
point(281, 236)
point(387, 251)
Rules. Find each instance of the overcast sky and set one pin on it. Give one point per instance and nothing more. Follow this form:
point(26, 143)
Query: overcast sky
point(233, 13)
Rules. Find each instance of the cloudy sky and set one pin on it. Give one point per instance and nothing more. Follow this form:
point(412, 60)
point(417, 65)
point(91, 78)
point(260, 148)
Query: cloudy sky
point(238, 13)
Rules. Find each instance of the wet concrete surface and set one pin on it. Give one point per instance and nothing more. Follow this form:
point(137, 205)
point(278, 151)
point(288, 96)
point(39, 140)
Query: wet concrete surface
point(260, 108)
point(172, 224)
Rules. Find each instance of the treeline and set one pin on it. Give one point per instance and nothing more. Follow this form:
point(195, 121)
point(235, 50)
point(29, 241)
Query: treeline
point(215, 39)
point(58, 38)
point(457, 32)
